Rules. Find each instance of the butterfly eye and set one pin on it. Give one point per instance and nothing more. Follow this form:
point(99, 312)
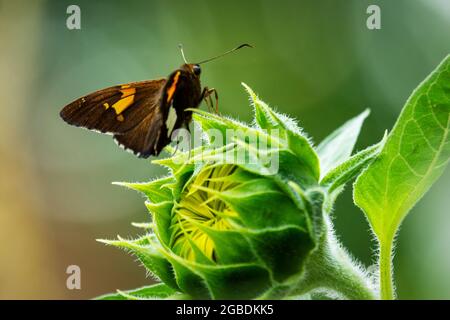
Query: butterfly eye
point(197, 70)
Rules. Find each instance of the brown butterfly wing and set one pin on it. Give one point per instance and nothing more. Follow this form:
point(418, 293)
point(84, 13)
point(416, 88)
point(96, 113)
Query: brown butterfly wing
point(134, 113)
point(116, 109)
point(150, 136)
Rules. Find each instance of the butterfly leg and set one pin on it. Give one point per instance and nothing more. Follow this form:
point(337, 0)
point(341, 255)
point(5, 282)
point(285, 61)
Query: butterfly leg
point(208, 103)
point(206, 95)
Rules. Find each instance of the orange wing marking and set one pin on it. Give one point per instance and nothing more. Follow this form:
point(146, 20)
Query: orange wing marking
point(172, 88)
point(125, 101)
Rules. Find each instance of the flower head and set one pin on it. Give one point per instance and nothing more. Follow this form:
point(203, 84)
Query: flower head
point(200, 205)
point(226, 222)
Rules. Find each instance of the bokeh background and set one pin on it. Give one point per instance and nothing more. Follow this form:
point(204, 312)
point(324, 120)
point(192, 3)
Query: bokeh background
point(315, 60)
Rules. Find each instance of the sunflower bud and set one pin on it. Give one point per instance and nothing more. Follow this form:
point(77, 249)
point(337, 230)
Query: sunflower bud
point(239, 215)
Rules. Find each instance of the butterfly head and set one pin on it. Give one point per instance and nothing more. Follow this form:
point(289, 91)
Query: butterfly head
point(192, 68)
point(196, 69)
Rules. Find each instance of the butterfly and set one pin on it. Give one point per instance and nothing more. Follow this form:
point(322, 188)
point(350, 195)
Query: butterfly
point(142, 116)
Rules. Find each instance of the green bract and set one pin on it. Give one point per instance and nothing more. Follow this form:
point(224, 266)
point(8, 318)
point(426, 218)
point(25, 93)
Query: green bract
point(246, 214)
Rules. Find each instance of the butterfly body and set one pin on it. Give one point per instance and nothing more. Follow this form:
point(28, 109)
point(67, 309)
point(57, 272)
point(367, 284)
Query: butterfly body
point(183, 91)
point(141, 115)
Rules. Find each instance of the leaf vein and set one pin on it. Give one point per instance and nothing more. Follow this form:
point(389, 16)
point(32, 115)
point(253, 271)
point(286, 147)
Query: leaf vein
point(424, 136)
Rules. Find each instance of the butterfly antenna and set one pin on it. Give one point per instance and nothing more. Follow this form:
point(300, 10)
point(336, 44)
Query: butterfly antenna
point(182, 53)
point(225, 53)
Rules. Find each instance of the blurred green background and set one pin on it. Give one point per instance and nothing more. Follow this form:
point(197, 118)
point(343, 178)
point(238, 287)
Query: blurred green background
point(315, 60)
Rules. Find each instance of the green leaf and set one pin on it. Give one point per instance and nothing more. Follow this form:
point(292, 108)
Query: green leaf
point(296, 140)
point(284, 250)
point(235, 281)
point(156, 190)
point(230, 246)
point(215, 126)
point(257, 200)
point(188, 280)
point(414, 156)
point(161, 214)
point(150, 257)
point(266, 118)
point(338, 146)
point(351, 168)
point(155, 291)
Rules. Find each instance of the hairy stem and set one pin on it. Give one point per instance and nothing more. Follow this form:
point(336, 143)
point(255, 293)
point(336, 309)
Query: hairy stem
point(385, 269)
point(330, 267)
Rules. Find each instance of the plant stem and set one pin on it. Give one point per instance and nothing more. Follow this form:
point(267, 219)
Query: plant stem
point(331, 267)
point(385, 269)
